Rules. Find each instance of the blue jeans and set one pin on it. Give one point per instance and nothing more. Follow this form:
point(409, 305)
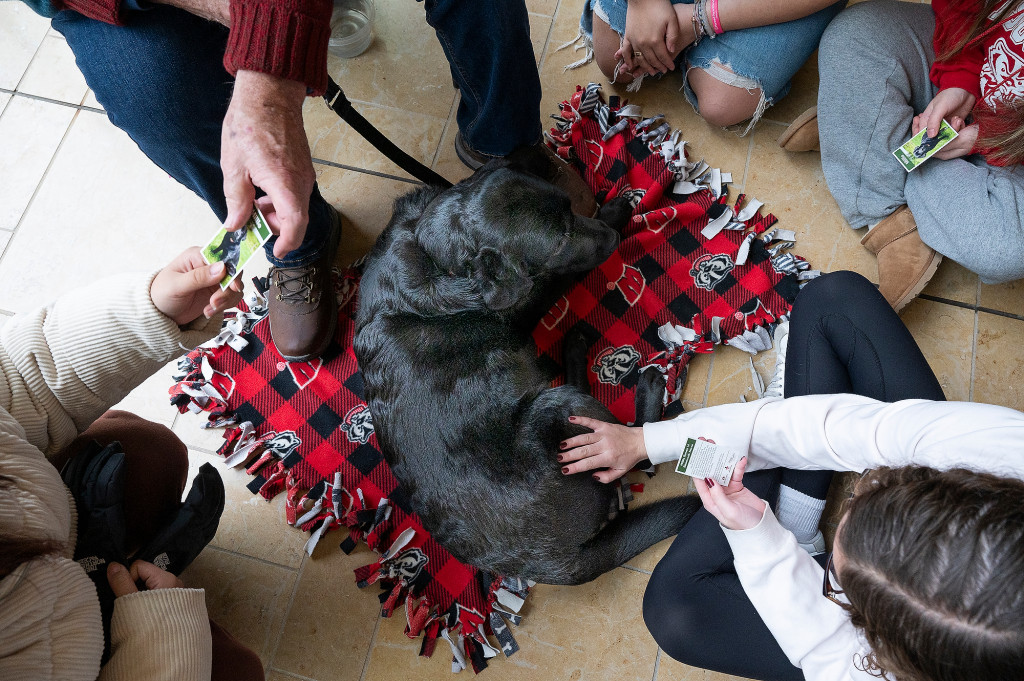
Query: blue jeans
point(490, 55)
point(763, 57)
point(161, 79)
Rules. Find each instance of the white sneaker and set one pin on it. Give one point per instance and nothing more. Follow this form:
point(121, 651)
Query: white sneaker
point(777, 384)
point(815, 546)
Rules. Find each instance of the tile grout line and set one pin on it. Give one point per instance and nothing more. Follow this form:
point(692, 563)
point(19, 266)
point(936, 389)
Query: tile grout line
point(366, 171)
point(746, 166)
point(257, 559)
point(544, 47)
point(657, 664)
point(42, 179)
point(444, 130)
point(29, 65)
point(707, 383)
point(974, 356)
point(636, 569)
point(974, 343)
point(369, 649)
point(26, 95)
point(969, 306)
point(291, 675)
point(288, 609)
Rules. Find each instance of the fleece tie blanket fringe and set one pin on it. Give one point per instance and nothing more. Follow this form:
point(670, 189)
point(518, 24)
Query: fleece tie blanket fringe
point(693, 270)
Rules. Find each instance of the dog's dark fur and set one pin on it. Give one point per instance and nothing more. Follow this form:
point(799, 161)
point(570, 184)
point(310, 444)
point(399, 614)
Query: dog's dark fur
point(463, 413)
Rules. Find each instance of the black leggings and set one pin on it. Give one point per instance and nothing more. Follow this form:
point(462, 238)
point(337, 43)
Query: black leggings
point(843, 338)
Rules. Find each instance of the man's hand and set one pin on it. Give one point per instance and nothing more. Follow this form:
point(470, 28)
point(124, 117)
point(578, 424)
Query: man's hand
point(264, 144)
point(617, 448)
point(188, 287)
point(122, 581)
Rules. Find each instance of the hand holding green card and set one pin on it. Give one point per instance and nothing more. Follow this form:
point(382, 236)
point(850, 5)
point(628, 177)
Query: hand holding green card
point(920, 147)
point(236, 249)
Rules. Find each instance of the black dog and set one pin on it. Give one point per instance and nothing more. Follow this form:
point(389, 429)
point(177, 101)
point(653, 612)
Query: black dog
point(229, 250)
point(463, 413)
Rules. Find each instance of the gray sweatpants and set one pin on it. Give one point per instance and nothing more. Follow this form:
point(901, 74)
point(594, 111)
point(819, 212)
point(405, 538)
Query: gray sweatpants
point(874, 60)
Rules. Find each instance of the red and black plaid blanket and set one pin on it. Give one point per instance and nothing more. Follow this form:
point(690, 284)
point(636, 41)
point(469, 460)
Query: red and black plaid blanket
point(692, 271)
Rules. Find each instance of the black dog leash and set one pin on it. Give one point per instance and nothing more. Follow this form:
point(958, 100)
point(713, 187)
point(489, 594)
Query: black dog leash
point(337, 100)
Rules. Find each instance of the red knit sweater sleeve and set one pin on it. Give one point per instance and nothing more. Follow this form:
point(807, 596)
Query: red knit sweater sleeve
point(962, 70)
point(107, 11)
point(285, 38)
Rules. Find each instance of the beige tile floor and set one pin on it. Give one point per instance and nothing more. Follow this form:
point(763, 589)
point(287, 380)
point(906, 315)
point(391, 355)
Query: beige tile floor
point(78, 201)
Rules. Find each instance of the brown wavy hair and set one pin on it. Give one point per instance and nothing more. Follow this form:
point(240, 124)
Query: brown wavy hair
point(1000, 130)
point(933, 567)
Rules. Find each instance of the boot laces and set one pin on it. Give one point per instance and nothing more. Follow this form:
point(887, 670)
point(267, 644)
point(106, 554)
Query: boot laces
point(295, 284)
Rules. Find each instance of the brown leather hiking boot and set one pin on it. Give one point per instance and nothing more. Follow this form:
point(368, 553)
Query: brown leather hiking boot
point(539, 160)
point(905, 263)
point(303, 309)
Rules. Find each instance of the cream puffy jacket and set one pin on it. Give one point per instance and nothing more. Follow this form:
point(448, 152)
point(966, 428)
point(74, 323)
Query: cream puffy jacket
point(61, 367)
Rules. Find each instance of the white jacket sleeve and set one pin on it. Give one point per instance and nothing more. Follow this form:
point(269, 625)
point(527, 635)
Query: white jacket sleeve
point(784, 584)
point(160, 634)
point(63, 365)
point(852, 433)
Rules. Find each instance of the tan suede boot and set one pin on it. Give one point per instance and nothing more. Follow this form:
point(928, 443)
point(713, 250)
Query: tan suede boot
point(905, 263)
point(802, 134)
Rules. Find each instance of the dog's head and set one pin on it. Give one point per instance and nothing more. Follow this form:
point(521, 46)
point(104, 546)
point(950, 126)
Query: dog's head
point(510, 234)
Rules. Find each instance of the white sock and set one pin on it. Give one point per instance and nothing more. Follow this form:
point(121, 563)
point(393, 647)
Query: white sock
point(799, 513)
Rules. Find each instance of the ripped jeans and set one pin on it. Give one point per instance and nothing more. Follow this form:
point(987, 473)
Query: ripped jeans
point(763, 56)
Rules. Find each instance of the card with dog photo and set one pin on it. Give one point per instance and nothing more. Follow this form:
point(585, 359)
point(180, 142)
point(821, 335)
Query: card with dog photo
point(920, 147)
point(236, 249)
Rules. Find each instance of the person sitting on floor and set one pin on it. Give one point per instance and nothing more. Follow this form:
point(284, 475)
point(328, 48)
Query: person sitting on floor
point(723, 45)
point(891, 69)
point(61, 368)
point(927, 566)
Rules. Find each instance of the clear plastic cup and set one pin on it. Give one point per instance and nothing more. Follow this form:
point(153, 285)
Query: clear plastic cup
point(351, 28)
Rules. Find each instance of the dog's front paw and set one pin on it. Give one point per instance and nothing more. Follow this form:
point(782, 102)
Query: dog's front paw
point(616, 213)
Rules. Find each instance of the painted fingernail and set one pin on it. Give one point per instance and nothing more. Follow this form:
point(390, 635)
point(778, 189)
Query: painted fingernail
point(596, 478)
point(565, 470)
point(563, 445)
point(561, 458)
point(572, 418)
point(709, 482)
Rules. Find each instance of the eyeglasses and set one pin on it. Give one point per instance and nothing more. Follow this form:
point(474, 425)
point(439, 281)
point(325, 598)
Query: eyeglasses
point(829, 588)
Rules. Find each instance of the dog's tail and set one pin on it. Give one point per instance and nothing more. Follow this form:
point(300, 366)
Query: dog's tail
point(627, 535)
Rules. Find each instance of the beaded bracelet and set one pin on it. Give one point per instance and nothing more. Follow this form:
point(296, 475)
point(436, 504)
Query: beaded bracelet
point(705, 22)
point(698, 27)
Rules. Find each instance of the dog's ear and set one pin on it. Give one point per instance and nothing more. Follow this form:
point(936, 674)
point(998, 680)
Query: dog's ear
point(502, 282)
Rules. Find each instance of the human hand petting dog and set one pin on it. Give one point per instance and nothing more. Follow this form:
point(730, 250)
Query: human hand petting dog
point(611, 446)
point(187, 287)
